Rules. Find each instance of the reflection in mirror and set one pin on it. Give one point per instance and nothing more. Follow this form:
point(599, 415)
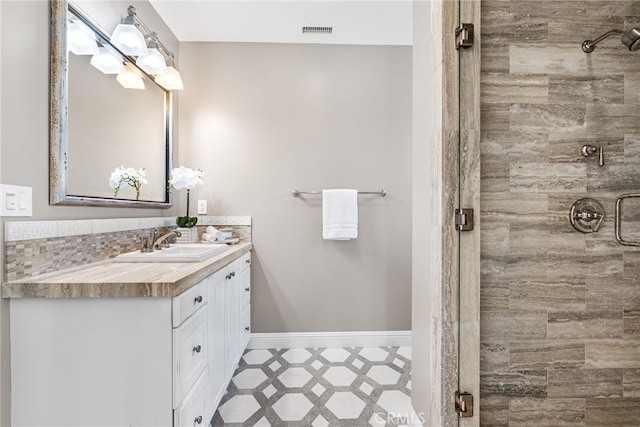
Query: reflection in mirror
point(104, 125)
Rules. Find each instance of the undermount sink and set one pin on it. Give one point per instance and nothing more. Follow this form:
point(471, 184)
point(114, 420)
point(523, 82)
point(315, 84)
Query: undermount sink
point(175, 253)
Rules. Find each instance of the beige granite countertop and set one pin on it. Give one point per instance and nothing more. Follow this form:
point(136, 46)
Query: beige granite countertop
point(109, 279)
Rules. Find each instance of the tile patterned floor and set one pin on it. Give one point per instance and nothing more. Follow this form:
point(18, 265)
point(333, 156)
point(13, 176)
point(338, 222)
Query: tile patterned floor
point(347, 387)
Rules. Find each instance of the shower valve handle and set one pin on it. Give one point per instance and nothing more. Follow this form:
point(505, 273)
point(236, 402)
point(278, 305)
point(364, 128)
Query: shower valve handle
point(588, 150)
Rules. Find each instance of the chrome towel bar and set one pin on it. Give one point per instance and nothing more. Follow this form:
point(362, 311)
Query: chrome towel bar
point(298, 193)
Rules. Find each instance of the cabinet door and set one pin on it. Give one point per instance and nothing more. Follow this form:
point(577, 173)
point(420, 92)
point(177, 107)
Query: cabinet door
point(232, 319)
point(191, 413)
point(244, 310)
point(189, 353)
point(216, 338)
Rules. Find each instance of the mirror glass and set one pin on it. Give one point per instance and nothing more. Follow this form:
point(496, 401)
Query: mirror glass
point(105, 126)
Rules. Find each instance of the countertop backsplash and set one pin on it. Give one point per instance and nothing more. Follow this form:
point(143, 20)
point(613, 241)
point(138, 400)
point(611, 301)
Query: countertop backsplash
point(38, 247)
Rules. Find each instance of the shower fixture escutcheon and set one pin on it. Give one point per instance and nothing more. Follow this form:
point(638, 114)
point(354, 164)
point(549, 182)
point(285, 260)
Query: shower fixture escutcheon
point(590, 150)
point(587, 215)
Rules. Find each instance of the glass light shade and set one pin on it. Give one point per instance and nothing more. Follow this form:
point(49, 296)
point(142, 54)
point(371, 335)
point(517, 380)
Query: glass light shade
point(107, 61)
point(170, 80)
point(130, 79)
point(153, 63)
point(129, 40)
point(81, 40)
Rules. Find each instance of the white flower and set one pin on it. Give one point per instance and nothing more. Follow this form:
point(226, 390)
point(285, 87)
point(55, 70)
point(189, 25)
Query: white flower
point(183, 177)
point(130, 176)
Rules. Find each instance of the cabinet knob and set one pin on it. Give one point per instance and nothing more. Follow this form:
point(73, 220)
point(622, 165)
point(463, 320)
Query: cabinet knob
point(197, 348)
point(229, 276)
point(233, 273)
point(247, 328)
point(198, 299)
point(248, 261)
point(247, 289)
point(198, 419)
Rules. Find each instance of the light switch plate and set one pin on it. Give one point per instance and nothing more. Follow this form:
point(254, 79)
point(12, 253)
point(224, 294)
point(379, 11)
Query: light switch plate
point(202, 207)
point(15, 200)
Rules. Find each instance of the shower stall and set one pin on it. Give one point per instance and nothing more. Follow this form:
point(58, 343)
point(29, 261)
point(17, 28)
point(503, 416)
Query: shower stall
point(559, 306)
point(536, 126)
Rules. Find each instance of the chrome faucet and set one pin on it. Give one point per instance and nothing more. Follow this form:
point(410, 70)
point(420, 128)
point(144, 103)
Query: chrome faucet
point(160, 241)
point(157, 241)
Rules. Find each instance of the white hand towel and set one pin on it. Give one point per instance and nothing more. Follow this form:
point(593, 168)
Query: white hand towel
point(339, 214)
point(213, 234)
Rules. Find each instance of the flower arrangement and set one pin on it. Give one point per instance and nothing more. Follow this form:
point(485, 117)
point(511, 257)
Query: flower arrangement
point(188, 178)
point(130, 176)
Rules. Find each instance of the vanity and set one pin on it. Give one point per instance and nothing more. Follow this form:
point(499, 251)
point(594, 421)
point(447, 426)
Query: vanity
point(128, 344)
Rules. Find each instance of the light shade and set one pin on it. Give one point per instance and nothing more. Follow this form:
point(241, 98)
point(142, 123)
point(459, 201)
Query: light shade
point(153, 63)
point(81, 40)
point(130, 79)
point(107, 61)
point(170, 80)
point(129, 40)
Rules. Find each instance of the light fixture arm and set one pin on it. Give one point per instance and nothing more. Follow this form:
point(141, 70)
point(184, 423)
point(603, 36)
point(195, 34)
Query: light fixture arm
point(134, 19)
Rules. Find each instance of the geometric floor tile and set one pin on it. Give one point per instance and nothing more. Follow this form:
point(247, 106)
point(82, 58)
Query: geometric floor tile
point(335, 354)
point(339, 376)
point(345, 405)
point(249, 378)
point(296, 355)
point(405, 352)
point(318, 387)
point(384, 375)
point(292, 407)
point(396, 402)
point(374, 354)
point(294, 377)
point(239, 408)
point(319, 422)
point(257, 357)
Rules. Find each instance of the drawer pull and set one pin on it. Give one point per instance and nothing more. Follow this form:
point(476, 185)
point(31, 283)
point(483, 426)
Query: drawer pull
point(198, 419)
point(198, 299)
point(197, 348)
point(248, 261)
point(229, 276)
point(247, 328)
point(233, 274)
point(247, 289)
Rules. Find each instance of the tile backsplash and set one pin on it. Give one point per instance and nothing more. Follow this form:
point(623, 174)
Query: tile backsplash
point(38, 247)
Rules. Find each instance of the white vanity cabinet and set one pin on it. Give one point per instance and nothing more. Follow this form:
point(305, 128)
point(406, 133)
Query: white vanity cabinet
point(134, 361)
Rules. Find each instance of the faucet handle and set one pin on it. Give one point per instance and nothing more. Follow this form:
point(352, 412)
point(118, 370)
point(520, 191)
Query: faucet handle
point(145, 244)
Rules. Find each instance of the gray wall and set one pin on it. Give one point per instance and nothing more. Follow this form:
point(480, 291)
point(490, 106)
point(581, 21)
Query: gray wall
point(560, 335)
point(24, 114)
point(263, 119)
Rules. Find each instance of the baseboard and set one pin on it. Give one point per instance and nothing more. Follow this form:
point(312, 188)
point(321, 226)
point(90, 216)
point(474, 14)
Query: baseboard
point(330, 339)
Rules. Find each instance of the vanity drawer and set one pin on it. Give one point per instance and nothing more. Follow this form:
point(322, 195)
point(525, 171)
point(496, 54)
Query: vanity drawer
point(191, 413)
point(188, 302)
point(189, 353)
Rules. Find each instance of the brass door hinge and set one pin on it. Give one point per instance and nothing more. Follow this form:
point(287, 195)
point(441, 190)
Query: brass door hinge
point(464, 404)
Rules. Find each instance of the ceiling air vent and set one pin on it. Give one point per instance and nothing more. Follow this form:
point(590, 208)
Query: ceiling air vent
point(317, 30)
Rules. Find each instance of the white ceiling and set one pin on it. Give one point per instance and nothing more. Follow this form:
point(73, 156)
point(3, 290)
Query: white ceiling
point(368, 22)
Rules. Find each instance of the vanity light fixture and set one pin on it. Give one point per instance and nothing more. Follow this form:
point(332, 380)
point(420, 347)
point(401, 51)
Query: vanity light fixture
point(153, 63)
point(107, 61)
point(170, 80)
point(81, 40)
point(127, 37)
point(130, 78)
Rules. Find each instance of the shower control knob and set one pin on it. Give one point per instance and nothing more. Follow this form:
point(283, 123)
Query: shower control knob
point(589, 150)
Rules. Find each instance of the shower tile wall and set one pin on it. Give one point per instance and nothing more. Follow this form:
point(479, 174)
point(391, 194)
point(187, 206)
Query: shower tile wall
point(560, 310)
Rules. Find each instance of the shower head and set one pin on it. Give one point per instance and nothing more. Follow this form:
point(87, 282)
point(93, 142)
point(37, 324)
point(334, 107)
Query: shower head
point(630, 38)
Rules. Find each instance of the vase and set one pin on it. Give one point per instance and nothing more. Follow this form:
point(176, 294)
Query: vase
point(187, 221)
point(187, 235)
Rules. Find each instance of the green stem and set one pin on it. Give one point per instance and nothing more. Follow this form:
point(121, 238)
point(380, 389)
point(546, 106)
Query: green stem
point(187, 203)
